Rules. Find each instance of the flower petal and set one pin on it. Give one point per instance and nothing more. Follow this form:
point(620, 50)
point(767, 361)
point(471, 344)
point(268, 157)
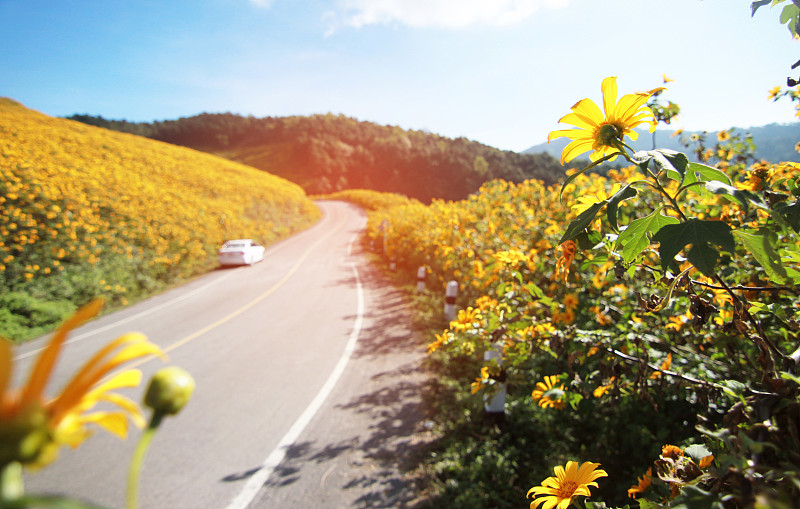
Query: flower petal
point(609, 88)
point(551, 501)
point(113, 422)
point(130, 407)
point(576, 148)
point(587, 112)
point(135, 345)
point(40, 374)
point(566, 133)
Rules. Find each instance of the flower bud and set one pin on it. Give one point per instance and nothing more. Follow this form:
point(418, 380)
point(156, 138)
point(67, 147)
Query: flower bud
point(169, 390)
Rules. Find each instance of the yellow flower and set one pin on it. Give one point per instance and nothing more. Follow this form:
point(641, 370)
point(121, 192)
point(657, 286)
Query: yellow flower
point(642, 485)
point(723, 135)
point(600, 315)
point(671, 451)
point(604, 389)
point(705, 461)
point(676, 322)
point(567, 317)
point(466, 319)
point(478, 383)
point(32, 427)
point(512, 257)
point(757, 177)
point(440, 340)
point(485, 302)
point(603, 134)
point(664, 367)
point(570, 301)
point(547, 394)
point(587, 200)
point(568, 483)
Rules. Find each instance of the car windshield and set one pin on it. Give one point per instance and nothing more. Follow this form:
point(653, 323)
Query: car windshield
point(234, 244)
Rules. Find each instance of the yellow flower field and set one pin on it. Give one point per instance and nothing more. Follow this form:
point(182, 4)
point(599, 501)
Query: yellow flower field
point(118, 215)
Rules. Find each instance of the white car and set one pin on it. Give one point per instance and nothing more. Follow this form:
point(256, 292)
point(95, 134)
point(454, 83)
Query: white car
point(240, 252)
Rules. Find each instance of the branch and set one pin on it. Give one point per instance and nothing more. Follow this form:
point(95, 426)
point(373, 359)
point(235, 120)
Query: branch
point(748, 288)
point(634, 360)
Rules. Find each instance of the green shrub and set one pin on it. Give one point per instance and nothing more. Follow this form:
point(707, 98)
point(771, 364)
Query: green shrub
point(24, 317)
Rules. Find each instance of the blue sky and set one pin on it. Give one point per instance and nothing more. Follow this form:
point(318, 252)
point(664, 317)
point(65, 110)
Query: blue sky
point(501, 72)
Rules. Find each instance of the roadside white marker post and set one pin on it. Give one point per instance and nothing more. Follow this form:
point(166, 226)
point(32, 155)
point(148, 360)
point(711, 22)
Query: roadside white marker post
point(450, 294)
point(496, 405)
point(421, 273)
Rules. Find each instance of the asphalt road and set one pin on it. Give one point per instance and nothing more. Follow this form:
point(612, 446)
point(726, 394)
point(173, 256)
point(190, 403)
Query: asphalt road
point(308, 386)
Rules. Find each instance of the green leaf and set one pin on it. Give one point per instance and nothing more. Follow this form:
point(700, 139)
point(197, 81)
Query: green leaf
point(697, 452)
point(613, 202)
point(792, 257)
point(692, 497)
point(755, 6)
point(634, 239)
point(649, 504)
point(789, 376)
point(672, 162)
point(697, 233)
point(534, 290)
point(709, 173)
point(791, 17)
point(791, 213)
point(583, 220)
point(755, 446)
point(741, 195)
point(760, 246)
point(733, 388)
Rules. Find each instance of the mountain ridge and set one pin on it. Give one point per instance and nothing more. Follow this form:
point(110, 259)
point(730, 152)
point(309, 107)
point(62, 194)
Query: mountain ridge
point(329, 153)
point(774, 142)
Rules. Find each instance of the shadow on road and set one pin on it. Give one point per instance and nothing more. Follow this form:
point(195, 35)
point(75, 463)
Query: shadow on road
point(378, 434)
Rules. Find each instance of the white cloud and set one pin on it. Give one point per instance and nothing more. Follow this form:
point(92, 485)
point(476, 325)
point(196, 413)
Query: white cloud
point(441, 13)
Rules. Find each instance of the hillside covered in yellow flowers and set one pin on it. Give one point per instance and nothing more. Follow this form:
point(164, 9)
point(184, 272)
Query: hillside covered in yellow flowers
point(87, 212)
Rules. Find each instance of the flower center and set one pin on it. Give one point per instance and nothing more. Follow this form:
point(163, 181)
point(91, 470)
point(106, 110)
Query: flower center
point(567, 489)
point(609, 135)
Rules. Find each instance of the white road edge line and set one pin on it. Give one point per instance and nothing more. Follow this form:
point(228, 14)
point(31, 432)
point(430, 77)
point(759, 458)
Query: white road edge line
point(260, 477)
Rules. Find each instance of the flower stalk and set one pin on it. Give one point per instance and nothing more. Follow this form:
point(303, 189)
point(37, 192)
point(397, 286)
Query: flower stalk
point(169, 391)
point(132, 497)
point(11, 483)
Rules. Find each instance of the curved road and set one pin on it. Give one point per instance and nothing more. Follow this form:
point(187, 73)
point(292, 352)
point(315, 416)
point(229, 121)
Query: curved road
point(308, 386)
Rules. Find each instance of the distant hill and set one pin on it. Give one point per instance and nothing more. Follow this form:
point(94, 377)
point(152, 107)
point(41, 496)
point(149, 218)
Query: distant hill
point(328, 153)
point(774, 142)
